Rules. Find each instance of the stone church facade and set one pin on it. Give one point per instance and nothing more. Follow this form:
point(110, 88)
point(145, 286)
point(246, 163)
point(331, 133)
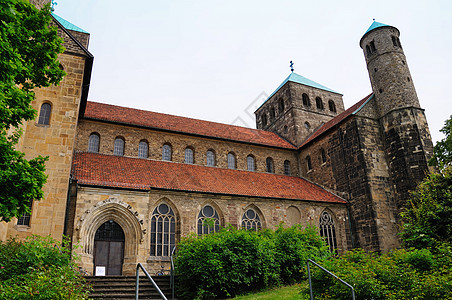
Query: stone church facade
point(127, 184)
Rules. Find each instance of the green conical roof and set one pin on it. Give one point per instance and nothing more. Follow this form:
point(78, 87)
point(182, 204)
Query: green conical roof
point(67, 24)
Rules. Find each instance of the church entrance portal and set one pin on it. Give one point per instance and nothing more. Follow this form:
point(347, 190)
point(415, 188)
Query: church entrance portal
point(109, 248)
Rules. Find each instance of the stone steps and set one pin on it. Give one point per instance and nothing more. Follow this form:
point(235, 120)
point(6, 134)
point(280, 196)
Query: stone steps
point(123, 287)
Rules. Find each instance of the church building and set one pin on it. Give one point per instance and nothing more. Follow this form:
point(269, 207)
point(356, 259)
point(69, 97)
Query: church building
point(127, 184)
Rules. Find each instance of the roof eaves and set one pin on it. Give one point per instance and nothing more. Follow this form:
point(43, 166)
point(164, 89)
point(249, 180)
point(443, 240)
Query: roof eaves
point(362, 105)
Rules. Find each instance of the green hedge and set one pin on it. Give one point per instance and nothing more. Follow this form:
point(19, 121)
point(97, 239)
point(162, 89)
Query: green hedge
point(233, 262)
point(399, 274)
point(39, 268)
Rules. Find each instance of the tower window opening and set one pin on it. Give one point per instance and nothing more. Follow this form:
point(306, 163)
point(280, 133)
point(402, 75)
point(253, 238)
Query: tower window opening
point(394, 41)
point(306, 101)
point(332, 106)
point(319, 103)
point(368, 50)
point(281, 106)
point(264, 119)
point(375, 70)
point(372, 47)
point(307, 125)
point(308, 163)
point(272, 113)
point(381, 91)
point(408, 78)
point(285, 129)
point(323, 155)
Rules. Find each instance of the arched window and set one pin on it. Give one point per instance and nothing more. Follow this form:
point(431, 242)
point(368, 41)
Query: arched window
point(327, 230)
point(264, 119)
point(250, 163)
point(143, 149)
point(93, 143)
point(332, 106)
point(208, 220)
point(44, 114)
point(368, 50)
point(319, 103)
point(118, 148)
point(163, 230)
point(269, 163)
point(281, 106)
point(166, 152)
point(287, 167)
point(323, 155)
point(308, 163)
point(307, 125)
point(25, 218)
point(189, 156)
point(272, 114)
point(251, 220)
point(210, 158)
point(231, 161)
point(306, 101)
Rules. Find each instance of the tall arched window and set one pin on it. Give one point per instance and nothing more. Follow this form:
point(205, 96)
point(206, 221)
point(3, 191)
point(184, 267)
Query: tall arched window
point(327, 230)
point(143, 149)
point(189, 156)
point(250, 163)
point(332, 106)
point(319, 103)
point(231, 161)
point(269, 163)
point(208, 220)
point(166, 152)
point(306, 101)
point(93, 143)
point(118, 148)
point(163, 231)
point(287, 168)
point(44, 114)
point(308, 163)
point(210, 158)
point(281, 106)
point(251, 220)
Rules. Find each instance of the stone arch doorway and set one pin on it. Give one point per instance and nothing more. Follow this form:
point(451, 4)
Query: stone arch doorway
point(109, 249)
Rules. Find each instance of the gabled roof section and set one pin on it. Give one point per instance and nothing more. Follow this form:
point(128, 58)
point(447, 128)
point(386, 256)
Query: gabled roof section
point(354, 109)
point(68, 25)
point(159, 121)
point(143, 174)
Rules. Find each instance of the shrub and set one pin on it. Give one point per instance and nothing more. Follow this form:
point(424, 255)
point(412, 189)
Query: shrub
point(39, 268)
point(400, 274)
point(233, 261)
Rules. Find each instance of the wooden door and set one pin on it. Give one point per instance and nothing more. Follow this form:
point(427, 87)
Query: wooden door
point(109, 248)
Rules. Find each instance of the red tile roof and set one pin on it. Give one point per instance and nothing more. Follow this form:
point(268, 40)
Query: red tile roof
point(131, 116)
point(336, 121)
point(143, 174)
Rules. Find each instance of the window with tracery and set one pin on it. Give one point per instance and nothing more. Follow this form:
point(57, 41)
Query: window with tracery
point(44, 114)
point(328, 230)
point(166, 152)
point(287, 167)
point(143, 149)
point(163, 231)
point(118, 148)
point(93, 143)
point(208, 220)
point(270, 167)
point(251, 220)
point(210, 158)
point(250, 163)
point(231, 161)
point(189, 156)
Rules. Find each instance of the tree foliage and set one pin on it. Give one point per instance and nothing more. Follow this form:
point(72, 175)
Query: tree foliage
point(442, 152)
point(29, 49)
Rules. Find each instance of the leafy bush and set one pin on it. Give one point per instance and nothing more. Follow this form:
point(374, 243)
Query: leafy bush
point(400, 274)
point(38, 268)
point(232, 261)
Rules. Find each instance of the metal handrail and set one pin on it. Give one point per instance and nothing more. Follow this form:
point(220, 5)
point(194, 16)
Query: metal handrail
point(172, 272)
point(325, 270)
point(137, 282)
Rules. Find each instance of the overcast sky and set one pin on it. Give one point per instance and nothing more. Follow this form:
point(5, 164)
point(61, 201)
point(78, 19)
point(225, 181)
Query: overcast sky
point(216, 60)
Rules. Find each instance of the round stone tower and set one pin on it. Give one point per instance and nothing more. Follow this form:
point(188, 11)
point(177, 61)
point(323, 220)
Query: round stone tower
point(388, 70)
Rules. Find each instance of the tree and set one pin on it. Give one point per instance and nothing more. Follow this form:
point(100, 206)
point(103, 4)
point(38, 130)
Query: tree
point(29, 48)
point(442, 152)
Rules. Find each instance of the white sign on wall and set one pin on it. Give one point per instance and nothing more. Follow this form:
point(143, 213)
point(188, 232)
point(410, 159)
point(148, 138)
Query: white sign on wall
point(100, 271)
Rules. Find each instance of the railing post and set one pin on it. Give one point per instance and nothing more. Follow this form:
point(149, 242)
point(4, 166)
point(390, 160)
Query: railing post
point(139, 265)
point(325, 270)
point(137, 282)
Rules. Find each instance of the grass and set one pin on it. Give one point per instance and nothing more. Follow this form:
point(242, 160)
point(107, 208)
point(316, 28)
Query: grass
point(290, 292)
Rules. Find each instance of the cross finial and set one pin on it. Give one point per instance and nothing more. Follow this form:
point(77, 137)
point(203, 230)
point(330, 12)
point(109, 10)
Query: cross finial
point(291, 66)
point(53, 5)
